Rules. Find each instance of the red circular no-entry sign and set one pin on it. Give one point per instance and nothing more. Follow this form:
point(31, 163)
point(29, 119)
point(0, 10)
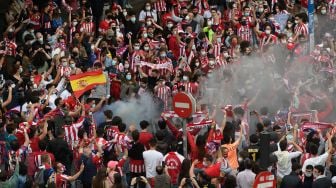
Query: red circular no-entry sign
point(265, 180)
point(184, 104)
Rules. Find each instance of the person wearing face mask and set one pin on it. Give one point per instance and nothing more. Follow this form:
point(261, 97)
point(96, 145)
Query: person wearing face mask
point(61, 179)
point(148, 11)
point(301, 27)
point(74, 69)
point(293, 179)
point(266, 38)
point(308, 177)
point(244, 29)
point(320, 179)
point(166, 65)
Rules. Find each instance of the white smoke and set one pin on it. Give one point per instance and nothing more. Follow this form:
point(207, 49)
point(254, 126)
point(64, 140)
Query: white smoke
point(133, 111)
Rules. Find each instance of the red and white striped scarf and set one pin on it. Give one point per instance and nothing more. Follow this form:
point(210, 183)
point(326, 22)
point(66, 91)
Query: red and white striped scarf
point(160, 6)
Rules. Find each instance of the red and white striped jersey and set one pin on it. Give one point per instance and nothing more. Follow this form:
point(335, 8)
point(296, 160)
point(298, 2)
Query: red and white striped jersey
point(101, 142)
point(71, 133)
point(10, 47)
point(182, 47)
point(245, 32)
point(110, 132)
point(122, 141)
point(137, 166)
point(217, 48)
point(88, 27)
point(301, 29)
point(38, 156)
point(135, 57)
point(332, 7)
point(160, 6)
point(164, 93)
point(165, 61)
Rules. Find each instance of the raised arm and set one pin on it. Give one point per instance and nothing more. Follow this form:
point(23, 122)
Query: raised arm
point(74, 177)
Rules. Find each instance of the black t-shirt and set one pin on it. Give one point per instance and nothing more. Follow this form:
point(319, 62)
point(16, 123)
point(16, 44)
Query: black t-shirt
point(152, 82)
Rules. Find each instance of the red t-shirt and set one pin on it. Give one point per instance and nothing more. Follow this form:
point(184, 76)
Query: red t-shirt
point(144, 138)
point(34, 144)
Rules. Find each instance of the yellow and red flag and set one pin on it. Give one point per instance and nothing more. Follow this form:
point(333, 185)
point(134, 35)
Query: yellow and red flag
point(81, 83)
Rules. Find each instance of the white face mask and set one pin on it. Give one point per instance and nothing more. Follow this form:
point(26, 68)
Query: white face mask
point(205, 164)
point(133, 19)
point(128, 77)
point(196, 64)
point(211, 62)
point(72, 65)
point(92, 47)
point(308, 174)
point(136, 47)
point(187, 18)
point(126, 66)
point(74, 23)
point(149, 23)
point(261, 9)
point(169, 25)
point(323, 11)
point(125, 14)
point(268, 32)
point(40, 40)
point(290, 25)
point(219, 40)
point(20, 70)
point(296, 21)
point(146, 48)
point(185, 78)
point(64, 64)
point(145, 35)
point(226, 54)
point(203, 53)
point(209, 23)
point(148, 8)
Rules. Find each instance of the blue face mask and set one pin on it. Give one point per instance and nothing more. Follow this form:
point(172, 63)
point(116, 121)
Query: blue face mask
point(128, 77)
point(114, 62)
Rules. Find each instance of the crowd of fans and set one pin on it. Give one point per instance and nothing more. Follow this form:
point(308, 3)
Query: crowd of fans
point(48, 137)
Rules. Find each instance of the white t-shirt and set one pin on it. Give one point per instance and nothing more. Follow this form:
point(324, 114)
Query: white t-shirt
point(284, 164)
point(152, 159)
point(319, 160)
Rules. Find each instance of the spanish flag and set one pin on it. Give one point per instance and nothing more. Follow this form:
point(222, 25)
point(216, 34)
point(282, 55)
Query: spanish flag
point(81, 83)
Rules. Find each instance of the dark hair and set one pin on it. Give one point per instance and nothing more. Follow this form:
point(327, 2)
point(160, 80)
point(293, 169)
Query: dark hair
point(42, 145)
point(100, 132)
point(122, 127)
point(185, 166)
point(23, 169)
point(230, 182)
point(332, 169)
point(310, 167)
point(58, 101)
point(283, 144)
point(98, 180)
point(260, 127)
point(254, 139)
point(152, 142)
point(144, 124)
point(320, 168)
point(117, 181)
point(135, 135)
point(296, 166)
point(160, 135)
point(239, 111)
point(313, 148)
point(116, 120)
point(248, 163)
point(162, 124)
point(159, 169)
point(173, 146)
point(14, 144)
point(108, 113)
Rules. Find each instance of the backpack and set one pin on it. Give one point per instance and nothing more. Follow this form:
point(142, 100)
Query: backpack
point(42, 176)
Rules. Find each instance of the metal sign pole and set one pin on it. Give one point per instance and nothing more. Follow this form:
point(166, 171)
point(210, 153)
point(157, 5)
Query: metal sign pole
point(311, 25)
point(185, 141)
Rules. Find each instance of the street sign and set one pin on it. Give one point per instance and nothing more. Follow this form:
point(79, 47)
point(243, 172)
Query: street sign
point(184, 104)
point(265, 180)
